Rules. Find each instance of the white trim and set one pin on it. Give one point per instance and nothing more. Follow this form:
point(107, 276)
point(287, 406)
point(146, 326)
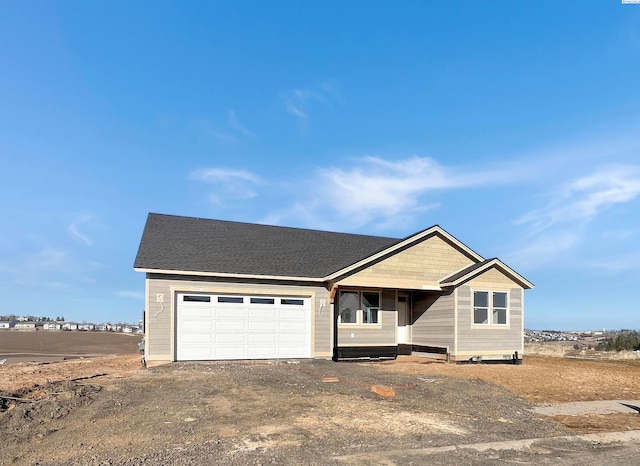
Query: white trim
point(412, 239)
point(455, 320)
point(522, 320)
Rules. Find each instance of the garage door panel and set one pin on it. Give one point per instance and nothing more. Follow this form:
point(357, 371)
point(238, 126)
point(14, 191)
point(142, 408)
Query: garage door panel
point(190, 339)
point(196, 353)
point(235, 313)
point(189, 312)
point(292, 326)
point(286, 314)
point(285, 338)
point(232, 325)
point(241, 329)
point(262, 314)
point(262, 326)
point(230, 338)
point(262, 352)
point(230, 352)
point(195, 326)
point(261, 338)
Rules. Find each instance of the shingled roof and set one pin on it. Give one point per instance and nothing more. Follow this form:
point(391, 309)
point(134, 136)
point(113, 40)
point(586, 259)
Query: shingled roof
point(188, 244)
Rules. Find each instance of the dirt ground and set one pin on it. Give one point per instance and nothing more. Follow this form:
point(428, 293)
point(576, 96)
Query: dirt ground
point(45, 346)
point(111, 410)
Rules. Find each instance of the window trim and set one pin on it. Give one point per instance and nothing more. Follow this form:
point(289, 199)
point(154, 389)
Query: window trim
point(490, 309)
point(360, 323)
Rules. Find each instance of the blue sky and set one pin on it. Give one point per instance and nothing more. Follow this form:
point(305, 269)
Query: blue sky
point(513, 125)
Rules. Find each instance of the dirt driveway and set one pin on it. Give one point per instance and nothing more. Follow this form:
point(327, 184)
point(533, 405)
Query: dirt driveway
point(111, 411)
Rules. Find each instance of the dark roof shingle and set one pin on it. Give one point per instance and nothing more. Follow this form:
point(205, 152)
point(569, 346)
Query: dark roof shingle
point(202, 245)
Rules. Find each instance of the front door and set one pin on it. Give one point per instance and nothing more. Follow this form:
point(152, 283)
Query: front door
point(403, 319)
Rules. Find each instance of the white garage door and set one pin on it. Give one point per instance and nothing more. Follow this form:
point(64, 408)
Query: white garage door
point(212, 326)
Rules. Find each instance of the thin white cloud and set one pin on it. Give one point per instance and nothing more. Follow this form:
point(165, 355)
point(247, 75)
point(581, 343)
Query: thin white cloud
point(223, 174)
point(221, 135)
point(565, 220)
point(541, 249)
point(387, 191)
point(586, 197)
point(228, 183)
point(299, 102)
point(130, 294)
point(74, 231)
point(235, 123)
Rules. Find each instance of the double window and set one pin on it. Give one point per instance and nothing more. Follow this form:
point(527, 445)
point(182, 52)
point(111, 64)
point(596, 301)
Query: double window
point(490, 308)
point(359, 307)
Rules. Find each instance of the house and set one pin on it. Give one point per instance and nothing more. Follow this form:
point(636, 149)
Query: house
point(69, 326)
point(228, 290)
point(86, 326)
point(50, 325)
point(25, 325)
point(7, 324)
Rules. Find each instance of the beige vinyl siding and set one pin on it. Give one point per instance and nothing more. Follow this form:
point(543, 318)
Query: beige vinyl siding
point(433, 320)
point(383, 334)
point(370, 335)
point(425, 263)
point(160, 316)
point(489, 340)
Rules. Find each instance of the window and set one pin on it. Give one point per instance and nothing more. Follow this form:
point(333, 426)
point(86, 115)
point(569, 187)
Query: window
point(348, 307)
point(230, 299)
point(490, 308)
point(480, 307)
point(499, 308)
point(359, 307)
point(370, 307)
point(263, 301)
point(197, 299)
point(292, 302)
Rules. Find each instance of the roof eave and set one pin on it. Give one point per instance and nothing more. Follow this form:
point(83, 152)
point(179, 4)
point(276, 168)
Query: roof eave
point(227, 275)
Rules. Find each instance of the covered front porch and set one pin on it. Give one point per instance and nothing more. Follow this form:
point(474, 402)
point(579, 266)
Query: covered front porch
point(376, 322)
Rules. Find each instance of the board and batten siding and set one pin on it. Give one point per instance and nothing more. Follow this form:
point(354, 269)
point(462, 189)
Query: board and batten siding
point(424, 263)
point(382, 334)
point(489, 340)
point(433, 320)
point(160, 316)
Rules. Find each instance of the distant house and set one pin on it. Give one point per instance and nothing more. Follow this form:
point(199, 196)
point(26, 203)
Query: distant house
point(127, 329)
point(86, 326)
point(7, 323)
point(102, 327)
point(228, 290)
point(70, 326)
point(51, 326)
point(25, 326)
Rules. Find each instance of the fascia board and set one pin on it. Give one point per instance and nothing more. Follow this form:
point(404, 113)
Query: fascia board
point(227, 275)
